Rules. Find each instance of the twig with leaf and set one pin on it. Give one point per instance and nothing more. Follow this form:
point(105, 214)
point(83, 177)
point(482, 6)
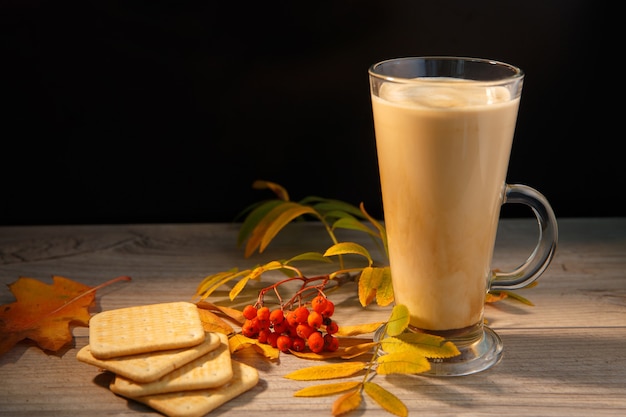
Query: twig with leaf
point(395, 352)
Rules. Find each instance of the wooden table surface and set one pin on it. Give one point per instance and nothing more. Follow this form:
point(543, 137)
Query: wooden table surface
point(565, 356)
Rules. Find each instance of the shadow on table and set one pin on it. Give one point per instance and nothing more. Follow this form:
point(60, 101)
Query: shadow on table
point(568, 357)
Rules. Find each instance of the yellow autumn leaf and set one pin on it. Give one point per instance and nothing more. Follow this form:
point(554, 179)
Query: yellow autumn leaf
point(345, 248)
point(272, 222)
point(358, 329)
point(234, 292)
point(326, 389)
point(493, 297)
point(256, 214)
point(291, 212)
point(346, 403)
point(279, 190)
point(212, 323)
point(209, 281)
point(351, 223)
point(384, 292)
point(375, 282)
point(399, 320)
point(266, 350)
point(427, 345)
point(213, 282)
point(233, 313)
point(385, 399)
point(255, 274)
point(307, 354)
point(368, 284)
point(357, 350)
point(309, 256)
point(330, 371)
point(405, 362)
point(381, 229)
point(238, 342)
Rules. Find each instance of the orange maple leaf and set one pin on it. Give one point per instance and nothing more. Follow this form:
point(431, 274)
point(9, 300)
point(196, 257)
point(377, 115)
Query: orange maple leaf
point(43, 313)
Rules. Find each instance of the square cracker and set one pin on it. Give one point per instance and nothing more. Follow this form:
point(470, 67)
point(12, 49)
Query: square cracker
point(150, 366)
point(149, 328)
point(208, 371)
point(200, 402)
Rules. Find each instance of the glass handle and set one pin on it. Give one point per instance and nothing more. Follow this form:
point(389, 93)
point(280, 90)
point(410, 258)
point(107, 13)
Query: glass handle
point(541, 257)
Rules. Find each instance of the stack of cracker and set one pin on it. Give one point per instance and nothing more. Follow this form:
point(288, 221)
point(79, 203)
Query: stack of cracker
point(162, 357)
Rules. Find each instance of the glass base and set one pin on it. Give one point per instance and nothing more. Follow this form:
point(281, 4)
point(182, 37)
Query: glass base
point(475, 357)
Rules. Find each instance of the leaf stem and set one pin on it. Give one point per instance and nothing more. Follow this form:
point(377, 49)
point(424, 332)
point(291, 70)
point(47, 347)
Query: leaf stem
point(297, 297)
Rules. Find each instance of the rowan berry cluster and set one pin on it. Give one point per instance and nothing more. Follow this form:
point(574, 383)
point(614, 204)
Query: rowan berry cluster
point(294, 329)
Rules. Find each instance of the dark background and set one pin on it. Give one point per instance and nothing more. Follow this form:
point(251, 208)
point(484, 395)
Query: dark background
point(118, 112)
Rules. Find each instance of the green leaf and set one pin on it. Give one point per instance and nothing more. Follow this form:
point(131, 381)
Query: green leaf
point(351, 223)
point(406, 362)
point(328, 205)
point(312, 199)
point(290, 212)
point(273, 221)
point(335, 370)
point(385, 399)
point(344, 248)
point(337, 214)
point(254, 218)
point(399, 320)
point(326, 389)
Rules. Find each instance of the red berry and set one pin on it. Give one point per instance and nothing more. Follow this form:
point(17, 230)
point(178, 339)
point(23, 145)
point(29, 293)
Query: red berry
point(281, 327)
point(332, 327)
point(301, 313)
point(249, 328)
point(329, 310)
point(284, 343)
point(292, 331)
point(249, 312)
point(292, 318)
point(315, 319)
point(304, 330)
point(319, 303)
point(272, 339)
point(263, 335)
point(263, 314)
point(298, 344)
point(316, 342)
point(277, 316)
point(263, 324)
point(331, 343)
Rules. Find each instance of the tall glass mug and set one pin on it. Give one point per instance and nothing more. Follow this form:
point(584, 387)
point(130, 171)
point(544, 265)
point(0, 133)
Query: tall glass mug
point(444, 128)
